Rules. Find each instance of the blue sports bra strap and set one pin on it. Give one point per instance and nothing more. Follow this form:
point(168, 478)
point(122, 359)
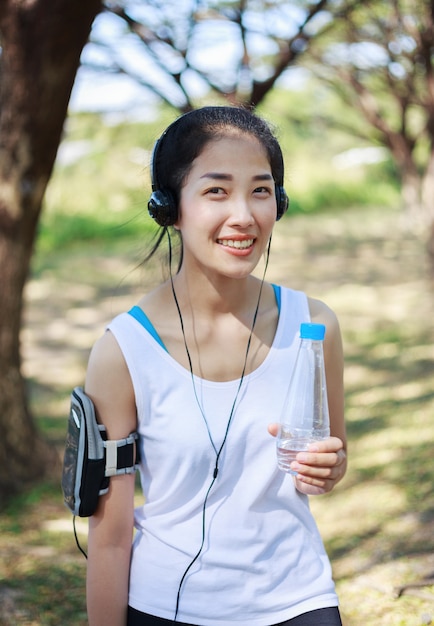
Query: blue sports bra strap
point(144, 320)
point(277, 295)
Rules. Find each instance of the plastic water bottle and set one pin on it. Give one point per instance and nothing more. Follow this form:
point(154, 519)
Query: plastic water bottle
point(305, 417)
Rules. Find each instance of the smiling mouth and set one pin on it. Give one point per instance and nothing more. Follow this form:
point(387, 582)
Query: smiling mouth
point(236, 243)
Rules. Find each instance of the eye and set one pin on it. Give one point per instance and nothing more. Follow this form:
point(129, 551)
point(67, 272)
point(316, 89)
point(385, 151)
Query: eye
point(263, 191)
point(215, 191)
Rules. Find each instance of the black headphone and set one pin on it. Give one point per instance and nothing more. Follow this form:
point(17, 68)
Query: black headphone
point(162, 205)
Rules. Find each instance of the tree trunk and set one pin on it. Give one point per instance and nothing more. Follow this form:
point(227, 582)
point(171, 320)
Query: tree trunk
point(21, 450)
point(411, 190)
point(428, 208)
point(402, 150)
point(41, 46)
point(428, 189)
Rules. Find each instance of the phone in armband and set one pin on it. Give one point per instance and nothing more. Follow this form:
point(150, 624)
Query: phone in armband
point(90, 459)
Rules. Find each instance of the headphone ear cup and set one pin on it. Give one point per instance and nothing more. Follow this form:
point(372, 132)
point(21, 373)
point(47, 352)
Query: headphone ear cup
point(162, 207)
point(282, 201)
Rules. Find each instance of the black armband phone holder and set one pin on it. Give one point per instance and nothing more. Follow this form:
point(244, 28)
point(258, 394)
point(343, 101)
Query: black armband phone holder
point(90, 459)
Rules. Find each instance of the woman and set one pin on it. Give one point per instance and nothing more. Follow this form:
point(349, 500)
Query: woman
point(200, 368)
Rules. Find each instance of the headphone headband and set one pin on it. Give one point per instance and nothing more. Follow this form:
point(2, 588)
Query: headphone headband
point(162, 204)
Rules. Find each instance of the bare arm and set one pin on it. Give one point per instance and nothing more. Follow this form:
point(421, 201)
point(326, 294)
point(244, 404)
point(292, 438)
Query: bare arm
point(109, 385)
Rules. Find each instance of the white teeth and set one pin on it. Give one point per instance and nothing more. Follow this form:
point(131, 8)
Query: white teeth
point(236, 243)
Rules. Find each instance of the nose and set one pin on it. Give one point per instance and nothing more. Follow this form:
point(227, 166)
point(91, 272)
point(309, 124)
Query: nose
point(241, 213)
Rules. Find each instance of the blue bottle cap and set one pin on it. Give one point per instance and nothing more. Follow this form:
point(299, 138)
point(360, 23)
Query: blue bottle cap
point(316, 332)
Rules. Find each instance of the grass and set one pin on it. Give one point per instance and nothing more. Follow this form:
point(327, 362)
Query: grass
point(41, 575)
point(377, 524)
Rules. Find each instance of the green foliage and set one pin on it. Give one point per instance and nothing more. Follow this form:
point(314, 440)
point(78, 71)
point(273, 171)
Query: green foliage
point(319, 176)
point(58, 230)
point(339, 195)
point(100, 192)
point(378, 60)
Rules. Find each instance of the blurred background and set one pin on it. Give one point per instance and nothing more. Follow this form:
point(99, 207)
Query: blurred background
point(85, 90)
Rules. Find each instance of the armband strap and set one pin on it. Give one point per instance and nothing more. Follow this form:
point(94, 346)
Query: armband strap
point(121, 456)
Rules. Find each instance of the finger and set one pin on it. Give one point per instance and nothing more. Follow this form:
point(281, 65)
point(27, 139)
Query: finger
point(310, 490)
point(315, 475)
point(273, 429)
point(331, 444)
point(312, 473)
point(317, 460)
point(312, 487)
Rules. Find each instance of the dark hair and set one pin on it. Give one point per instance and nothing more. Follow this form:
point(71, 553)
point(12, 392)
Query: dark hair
point(184, 140)
point(186, 137)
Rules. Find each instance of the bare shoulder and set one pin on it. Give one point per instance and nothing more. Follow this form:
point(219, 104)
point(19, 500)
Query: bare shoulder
point(321, 313)
point(108, 384)
point(106, 361)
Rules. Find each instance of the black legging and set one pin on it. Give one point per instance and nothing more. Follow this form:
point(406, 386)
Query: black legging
point(319, 617)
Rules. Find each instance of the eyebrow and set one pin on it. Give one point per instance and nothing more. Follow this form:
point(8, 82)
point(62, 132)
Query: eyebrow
point(221, 176)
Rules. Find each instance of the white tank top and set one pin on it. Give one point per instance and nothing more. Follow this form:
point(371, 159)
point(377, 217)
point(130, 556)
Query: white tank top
point(263, 561)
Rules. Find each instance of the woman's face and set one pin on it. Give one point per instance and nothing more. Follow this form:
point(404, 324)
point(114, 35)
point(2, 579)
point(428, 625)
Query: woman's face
point(227, 207)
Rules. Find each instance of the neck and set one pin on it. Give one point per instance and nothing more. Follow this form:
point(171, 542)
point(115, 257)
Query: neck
point(213, 298)
point(250, 324)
